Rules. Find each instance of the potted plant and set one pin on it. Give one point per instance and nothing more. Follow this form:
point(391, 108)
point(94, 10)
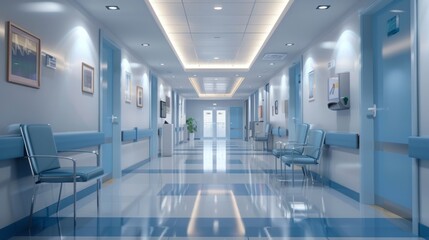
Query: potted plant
point(191, 125)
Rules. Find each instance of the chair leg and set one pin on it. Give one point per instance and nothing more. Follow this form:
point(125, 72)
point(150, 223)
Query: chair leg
point(276, 163)
point(98, 196)
point(33, 199)
point(293, 175)
point(74, 200)
point(59, 198)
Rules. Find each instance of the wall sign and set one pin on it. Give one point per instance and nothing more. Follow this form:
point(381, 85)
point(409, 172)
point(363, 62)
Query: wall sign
point(393, 26)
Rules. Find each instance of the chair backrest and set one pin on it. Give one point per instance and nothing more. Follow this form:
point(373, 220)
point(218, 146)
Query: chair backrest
point(314, 143)
point(39, 140)
point(301, 135)
point(267, 129)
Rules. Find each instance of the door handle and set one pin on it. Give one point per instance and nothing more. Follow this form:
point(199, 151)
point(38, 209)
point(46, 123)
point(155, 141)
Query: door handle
point(114, 119)
point(372, 111)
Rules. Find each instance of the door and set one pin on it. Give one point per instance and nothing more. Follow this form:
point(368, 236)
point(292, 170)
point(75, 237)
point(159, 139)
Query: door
point(392, 109)
point(295, 98)
point(208, 123)
point(110, 108)
point(236, 119)
point(220, 124)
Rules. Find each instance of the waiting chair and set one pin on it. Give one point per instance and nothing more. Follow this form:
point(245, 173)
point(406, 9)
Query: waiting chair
point(311, 153)
point(45, 165)
point(266, 136)
point(293, 147)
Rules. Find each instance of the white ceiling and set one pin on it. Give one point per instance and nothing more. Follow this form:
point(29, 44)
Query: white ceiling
point(216, 34)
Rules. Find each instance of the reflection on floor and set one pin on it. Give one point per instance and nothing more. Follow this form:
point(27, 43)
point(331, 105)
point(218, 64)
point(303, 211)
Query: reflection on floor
point(218, 189)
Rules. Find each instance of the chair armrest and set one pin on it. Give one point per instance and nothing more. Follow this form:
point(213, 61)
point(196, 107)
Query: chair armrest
point(97, 155)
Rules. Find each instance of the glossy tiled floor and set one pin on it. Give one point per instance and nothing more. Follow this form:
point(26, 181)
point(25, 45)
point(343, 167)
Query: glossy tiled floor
point(218, 190)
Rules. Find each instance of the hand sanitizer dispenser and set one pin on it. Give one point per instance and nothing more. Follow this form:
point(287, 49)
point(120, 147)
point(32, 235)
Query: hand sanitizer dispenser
point(339, 92)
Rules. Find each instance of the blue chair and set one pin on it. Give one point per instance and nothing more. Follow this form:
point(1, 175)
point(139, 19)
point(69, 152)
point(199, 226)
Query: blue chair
point(266, 136)
point(293, 147)
point(311, 153)
point(45, 165)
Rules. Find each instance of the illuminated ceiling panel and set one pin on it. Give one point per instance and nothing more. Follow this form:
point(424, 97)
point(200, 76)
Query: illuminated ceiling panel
point(216, 87)
point(233, 36)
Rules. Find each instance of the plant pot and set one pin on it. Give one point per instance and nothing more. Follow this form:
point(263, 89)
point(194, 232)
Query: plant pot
point(191, 136)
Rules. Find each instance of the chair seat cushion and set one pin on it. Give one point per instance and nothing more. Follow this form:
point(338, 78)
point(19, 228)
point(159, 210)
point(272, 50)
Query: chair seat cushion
point(288, 160)
point(65, 174)
point(278, 152)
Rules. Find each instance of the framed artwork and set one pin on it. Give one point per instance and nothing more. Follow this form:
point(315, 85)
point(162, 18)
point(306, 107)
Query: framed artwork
point(311, 86)
point(139, 96)
point(260, 112)
point(167, 103)
point(23, 61)
point(276, 107)
point(87, 78)
point(127, 87)
point(162, 110)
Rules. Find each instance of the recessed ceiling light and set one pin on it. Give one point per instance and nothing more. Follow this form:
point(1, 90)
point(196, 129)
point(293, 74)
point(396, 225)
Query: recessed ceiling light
point(216, 58)
point(112, 7)
point(214, 104)
point(162, 64)
point(218, 7)
point(272, 64)
point(289, 44)
point(323, 7)
point(145, 44)
point(259, 76)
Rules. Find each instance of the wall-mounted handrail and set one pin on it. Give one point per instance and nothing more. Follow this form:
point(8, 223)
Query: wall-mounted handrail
point(418, 147)
point(342, 139)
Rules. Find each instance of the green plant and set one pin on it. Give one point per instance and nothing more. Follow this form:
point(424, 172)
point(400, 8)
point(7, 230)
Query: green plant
point(191, 125)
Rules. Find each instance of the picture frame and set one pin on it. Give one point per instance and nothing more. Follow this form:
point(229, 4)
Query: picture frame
point(260, 114)
point(139, 96)
point(167, 103)
point(276, 107)
point(311, 86)
point(128, 87)
point(87, 78)
point(162, 110)
point(23, 60)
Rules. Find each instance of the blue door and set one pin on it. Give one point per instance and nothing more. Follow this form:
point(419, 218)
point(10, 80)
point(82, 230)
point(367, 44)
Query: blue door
point(110, 108)
point(295, 98)
point(236, 125)
point(392, 96)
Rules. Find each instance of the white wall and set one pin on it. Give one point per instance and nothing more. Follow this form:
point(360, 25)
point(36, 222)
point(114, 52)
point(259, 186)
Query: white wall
point(131, 115)
point(423, 58)
point(279, 91)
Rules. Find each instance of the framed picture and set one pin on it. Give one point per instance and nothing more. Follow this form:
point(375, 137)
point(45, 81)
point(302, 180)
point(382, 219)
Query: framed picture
point(87, 78)
point(260, 112)
point(139, 96)
point(167, 103)
point(311, 86)
point(23, 61)
point(276, 107)
point(127, 87)
point(162, 110)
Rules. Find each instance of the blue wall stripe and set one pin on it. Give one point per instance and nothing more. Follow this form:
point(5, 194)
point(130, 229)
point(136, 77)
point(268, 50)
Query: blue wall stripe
point(423, 231)
point(129, 135)
point(144, 133)
point(418, 147)
point(76, 140)
point(13, 146)
point(338, 187)
point(347, 140)
point(135, 166)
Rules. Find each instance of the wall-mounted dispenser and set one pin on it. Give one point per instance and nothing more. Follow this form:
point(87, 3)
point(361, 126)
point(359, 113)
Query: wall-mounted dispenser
point(339, 92)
